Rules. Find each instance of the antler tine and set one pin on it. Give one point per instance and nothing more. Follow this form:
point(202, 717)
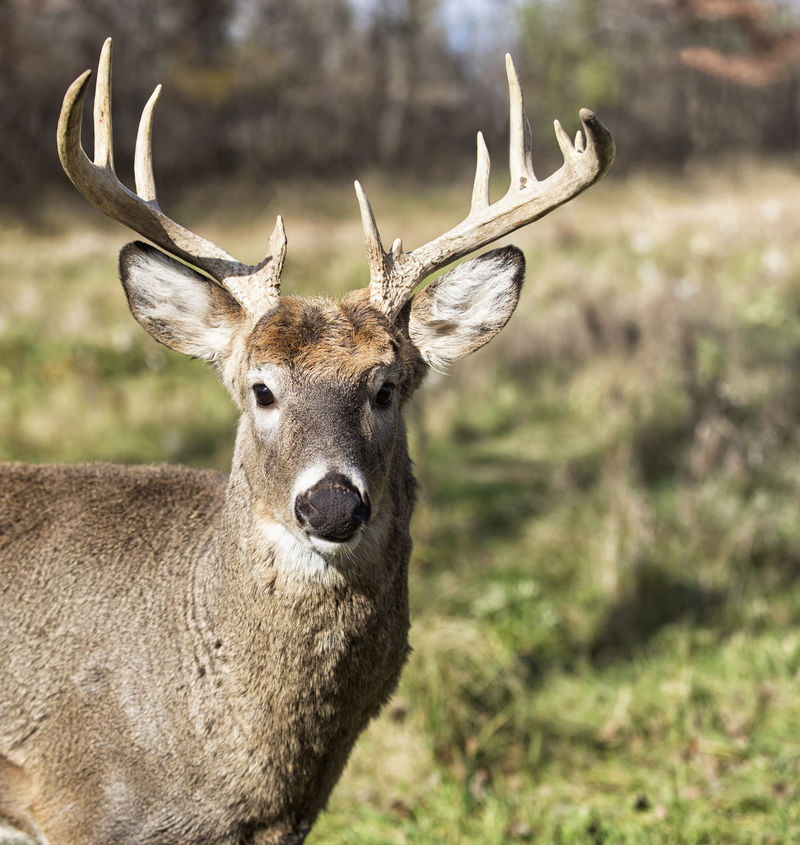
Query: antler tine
point(103, 136)
point(520, 143)
point(143, 157)
point(254, 287)
point(480, 188)
point(385, 283)
point(267, 275)
point(376, 258)
point(395, 276)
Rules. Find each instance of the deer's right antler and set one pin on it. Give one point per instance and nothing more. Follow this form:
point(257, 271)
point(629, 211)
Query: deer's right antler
point(395, 274)
point(255, 288)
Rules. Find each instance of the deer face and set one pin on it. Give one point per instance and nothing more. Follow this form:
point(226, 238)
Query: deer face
point(321, 383)
point(322, 394)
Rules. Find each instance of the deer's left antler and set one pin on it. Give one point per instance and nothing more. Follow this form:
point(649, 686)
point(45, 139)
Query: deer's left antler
point(395, 274)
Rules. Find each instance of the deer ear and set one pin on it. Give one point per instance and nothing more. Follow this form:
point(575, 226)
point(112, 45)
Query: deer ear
point(465, 308)
point(176, 305)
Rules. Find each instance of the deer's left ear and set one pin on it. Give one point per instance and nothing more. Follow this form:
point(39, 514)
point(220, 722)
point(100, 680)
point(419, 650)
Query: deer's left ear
point(465, 308)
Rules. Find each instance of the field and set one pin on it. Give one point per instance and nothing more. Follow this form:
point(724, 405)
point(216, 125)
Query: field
point(606, 576)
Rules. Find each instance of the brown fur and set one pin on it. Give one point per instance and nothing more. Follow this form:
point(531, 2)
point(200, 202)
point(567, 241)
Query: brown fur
point(174, 670)
point(147, 706)
point(324, 337)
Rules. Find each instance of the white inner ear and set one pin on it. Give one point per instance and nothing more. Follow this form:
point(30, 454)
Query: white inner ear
point(464, 309)
point(177, 306)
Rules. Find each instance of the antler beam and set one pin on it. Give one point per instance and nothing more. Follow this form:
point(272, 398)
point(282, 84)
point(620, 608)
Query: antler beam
point(255, 287)
point(395, 274)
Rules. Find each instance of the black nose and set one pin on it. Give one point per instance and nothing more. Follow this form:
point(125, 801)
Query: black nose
point(332, 509)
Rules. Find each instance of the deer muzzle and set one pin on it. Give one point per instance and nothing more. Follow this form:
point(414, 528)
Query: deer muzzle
point(333, 509)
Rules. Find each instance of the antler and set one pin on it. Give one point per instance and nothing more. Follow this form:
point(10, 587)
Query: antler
point(395, 274)
point(255, 288)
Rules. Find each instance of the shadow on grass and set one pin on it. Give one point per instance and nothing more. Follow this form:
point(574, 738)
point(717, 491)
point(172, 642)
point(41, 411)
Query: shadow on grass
point(654, 600)
point(482, 501)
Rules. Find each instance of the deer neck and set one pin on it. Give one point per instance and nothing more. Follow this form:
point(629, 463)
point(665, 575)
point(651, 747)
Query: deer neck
point(260, 562)
point(303, 662)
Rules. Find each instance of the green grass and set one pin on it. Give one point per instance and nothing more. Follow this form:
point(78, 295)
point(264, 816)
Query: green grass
point(605, 581)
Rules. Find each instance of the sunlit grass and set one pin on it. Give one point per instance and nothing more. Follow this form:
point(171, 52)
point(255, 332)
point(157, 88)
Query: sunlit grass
point(605, 577)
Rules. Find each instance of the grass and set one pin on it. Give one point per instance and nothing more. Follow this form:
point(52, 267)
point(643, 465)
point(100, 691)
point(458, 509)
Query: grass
point(605, 578)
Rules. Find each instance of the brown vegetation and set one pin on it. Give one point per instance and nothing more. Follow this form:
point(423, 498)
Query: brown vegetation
point(342, 88)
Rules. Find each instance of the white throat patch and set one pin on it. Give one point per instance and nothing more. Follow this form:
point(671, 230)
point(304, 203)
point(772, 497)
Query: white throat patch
point(305, 559)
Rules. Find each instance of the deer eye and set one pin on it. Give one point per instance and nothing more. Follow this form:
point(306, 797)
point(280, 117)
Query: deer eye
point(384, 395)
point(264, 396)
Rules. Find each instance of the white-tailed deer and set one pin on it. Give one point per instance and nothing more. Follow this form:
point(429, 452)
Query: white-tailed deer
point(188, 657)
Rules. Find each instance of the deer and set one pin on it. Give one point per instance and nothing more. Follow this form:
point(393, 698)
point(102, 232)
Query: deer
point(189, 656)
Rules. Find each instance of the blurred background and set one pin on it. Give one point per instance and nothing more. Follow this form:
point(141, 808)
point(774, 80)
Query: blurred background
point(607, 546)
point(259, 88)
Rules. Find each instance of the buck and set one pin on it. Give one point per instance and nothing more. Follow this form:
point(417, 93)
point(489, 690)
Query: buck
point(189, 657)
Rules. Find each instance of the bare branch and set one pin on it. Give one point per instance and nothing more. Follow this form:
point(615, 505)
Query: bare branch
point(771, 51)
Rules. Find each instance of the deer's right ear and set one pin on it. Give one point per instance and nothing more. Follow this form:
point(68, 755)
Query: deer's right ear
point(176, 305)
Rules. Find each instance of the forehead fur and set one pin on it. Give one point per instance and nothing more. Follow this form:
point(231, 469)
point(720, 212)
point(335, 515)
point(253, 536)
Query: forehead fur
point(327, 338)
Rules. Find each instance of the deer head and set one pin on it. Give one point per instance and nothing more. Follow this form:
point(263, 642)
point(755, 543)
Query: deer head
point(321, 383)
